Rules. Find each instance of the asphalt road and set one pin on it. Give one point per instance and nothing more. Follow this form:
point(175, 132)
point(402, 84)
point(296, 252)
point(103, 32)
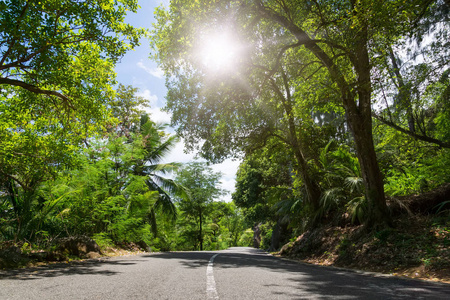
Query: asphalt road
point(237, 273)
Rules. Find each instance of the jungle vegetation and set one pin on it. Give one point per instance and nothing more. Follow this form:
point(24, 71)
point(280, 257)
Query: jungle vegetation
point(335, 108)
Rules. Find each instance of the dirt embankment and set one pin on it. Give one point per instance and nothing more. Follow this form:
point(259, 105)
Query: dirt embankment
point(418, 246)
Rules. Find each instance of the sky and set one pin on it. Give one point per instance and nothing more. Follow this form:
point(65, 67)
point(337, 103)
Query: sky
point(137, 70)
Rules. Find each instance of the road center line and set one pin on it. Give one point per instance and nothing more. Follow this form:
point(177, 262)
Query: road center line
point(211, 291)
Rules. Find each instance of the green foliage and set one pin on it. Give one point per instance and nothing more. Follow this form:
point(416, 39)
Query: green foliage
point(410, 166)
point(341, 178)
point(103, 240)
point(77, 157)
point(201, 183)
point(57, 71)
point(307, 67)
point(263, 180)
point(266, 235)
point(246, 239)
point(222, 228)
point(114, 191)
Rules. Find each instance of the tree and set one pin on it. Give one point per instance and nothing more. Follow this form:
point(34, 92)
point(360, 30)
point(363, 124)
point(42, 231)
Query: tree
point(114, 186)
point(342, 38)
point(53, 48)
point(128, 109)
point(412, 86)
point(228, 224)
point(201, 182)
point(157, 144)
point(136, 126)
point(239, 110)
point(57, 58)
point(56, 74)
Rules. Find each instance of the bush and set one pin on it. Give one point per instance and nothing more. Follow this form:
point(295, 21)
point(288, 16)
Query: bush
point(246, 239)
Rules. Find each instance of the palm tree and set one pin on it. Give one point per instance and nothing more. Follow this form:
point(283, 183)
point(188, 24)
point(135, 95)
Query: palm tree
point(157, 145)
point(343, 183)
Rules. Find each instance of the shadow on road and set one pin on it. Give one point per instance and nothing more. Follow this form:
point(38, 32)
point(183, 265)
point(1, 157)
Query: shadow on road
point(89, 267)
point(278, 278)
point(302, 280)
point(187, 259)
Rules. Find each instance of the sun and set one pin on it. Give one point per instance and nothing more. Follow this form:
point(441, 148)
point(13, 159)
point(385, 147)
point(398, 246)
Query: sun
point(219, 52)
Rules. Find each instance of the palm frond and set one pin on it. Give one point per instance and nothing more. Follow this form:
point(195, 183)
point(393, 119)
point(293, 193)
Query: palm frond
point(166, 185)
point(354, 183)
point(165, 204)
point(152, 220)
point(155, 155)
point(331, 197)
point(357, 208)
point(163, 168)
point(324, 154)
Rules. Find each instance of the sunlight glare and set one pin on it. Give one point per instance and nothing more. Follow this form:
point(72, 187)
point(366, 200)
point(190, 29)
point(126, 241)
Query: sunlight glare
point(219, 52)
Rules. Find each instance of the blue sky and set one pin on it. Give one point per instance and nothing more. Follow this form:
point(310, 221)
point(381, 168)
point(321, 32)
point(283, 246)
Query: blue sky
point(138, 70)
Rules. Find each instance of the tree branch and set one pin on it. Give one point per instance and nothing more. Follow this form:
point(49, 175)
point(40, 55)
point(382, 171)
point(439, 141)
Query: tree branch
point(304, 39)
point(412, 134)
point(36, 90)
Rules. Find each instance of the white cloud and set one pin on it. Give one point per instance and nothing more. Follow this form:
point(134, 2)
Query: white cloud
point(146, 94)
point(228, 186)
point(177, 154)
point(157, 115)
point(228, 168)
point(156, 72)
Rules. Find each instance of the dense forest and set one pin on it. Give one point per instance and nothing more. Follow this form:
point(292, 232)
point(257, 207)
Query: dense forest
point(80, 157)
point(338, 110)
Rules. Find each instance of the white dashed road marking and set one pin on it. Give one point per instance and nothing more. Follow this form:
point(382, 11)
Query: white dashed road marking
point(211, 291)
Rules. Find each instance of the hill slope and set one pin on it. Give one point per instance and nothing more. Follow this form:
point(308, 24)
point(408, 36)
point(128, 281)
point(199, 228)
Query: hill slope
point(418, 246)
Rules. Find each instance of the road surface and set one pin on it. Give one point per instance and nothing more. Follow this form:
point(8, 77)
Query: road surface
point(237, 273)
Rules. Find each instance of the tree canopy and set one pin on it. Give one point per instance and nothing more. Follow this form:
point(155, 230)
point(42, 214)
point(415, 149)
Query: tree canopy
point(57, 75)
point(291, 66)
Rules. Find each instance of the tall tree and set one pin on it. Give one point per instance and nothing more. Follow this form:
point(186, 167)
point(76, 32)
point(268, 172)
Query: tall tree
point(52, 47)
point(157, 145)
point(341, 37)
point(136, 126)
point(239, 109)
point(201, 182)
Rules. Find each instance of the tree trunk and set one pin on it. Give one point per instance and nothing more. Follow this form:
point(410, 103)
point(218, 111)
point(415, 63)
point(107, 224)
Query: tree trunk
point(361, 128)
point(312, 188)
point(359, 118)
point(200, 233)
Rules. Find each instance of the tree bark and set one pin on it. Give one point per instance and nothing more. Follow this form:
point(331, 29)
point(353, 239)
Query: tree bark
point(200, 233)
point(361, 128)
point(312, 188)
point(359, 118)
